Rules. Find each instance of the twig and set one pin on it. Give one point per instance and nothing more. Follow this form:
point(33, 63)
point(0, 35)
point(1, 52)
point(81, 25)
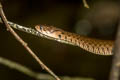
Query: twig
point(25, 44)
point(37, 76)
point(24, 69)
point(28, 30)
point(115, 72)
point(85, 4)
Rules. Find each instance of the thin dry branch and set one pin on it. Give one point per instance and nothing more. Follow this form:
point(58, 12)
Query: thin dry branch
point(29, 72)
point(24, 69)
point(25, 44)
point(115, 72)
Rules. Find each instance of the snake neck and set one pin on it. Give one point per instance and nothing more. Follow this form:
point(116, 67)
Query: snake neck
point(101, 47)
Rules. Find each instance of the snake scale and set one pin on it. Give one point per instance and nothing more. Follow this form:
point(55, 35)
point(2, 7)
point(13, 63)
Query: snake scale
point(100, 47)
point(96, 46)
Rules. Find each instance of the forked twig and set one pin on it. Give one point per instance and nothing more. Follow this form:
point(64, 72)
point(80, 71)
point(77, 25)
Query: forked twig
point(25, 44)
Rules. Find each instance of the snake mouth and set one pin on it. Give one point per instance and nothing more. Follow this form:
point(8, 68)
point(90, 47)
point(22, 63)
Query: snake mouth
point(39, 28)
point(43, 29)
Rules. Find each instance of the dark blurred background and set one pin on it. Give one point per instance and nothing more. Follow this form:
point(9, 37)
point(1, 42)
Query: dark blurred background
point(100, 21)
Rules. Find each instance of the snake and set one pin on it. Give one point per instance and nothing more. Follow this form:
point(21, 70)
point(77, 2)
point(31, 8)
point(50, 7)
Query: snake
point(93, 45)
point(96, 46)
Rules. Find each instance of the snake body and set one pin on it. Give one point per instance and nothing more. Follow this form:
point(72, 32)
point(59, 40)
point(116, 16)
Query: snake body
point(101, 47)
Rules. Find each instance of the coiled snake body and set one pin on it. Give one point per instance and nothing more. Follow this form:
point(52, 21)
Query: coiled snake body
point(101, 47)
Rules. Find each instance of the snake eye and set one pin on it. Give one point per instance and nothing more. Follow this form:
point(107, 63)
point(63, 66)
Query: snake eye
point(41, 27)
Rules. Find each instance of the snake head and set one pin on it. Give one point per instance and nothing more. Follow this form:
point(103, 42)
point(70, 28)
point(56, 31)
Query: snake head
point(49, 31)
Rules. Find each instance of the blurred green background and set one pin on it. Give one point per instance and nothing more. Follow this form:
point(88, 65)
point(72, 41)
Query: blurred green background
point(100, 21)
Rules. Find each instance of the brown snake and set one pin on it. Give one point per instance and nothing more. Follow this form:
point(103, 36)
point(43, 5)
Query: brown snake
point(100, 47)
